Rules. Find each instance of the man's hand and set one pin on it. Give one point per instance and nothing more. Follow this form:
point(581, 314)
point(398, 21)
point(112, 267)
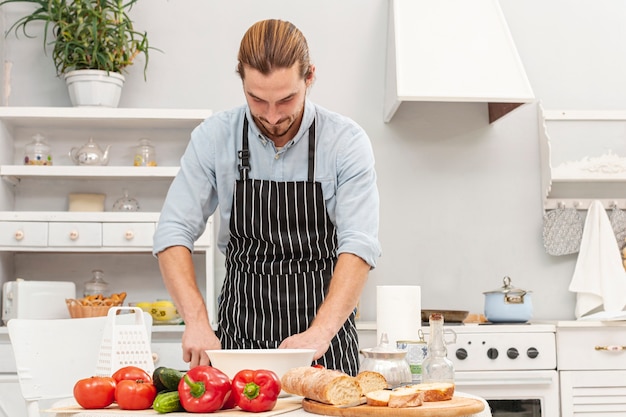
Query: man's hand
point(195, 342)
point(309, 339)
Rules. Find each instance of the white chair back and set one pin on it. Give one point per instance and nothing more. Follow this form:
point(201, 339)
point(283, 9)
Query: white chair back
point(51, 355)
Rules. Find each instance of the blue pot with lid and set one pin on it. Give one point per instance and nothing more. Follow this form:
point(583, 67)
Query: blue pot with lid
point(508, 304)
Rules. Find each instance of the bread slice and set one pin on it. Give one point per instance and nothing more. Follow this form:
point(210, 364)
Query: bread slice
point(371, 381)
point(399, 398)
point(323, 385)
point(434, 391)
point(378, 398)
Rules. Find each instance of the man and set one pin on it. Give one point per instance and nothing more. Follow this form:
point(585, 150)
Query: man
point(295, 187)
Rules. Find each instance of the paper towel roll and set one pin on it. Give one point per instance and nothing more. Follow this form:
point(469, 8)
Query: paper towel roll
point(398, 312)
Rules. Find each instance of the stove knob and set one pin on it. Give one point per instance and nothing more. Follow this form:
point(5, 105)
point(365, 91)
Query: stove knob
point(512, 353)
point(461, 353)
point(492, 353)
point(532, 353)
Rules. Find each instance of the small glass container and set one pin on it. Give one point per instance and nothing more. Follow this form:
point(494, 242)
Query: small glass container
point(126, 203)
point(37, 152)
point(97, 284)
point(145, 154)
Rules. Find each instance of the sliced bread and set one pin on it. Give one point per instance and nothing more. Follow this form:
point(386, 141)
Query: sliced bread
point(399, 398)
point(371, 381)
point(434, 391)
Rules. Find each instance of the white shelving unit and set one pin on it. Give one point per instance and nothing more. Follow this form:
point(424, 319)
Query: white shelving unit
point(41, 240)
point(583, 158)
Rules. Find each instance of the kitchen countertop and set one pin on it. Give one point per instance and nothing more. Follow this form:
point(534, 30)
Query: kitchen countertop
point(286, 402)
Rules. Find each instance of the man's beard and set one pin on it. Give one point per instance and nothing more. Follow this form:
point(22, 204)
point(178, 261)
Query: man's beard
point(275, 130)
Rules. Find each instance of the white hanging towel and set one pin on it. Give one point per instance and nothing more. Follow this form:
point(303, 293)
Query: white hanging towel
point(599, 277)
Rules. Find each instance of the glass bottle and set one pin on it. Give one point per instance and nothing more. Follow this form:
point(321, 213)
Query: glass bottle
point(97, 284)
point(436, 366)
point(37, 152)
point(145, 154)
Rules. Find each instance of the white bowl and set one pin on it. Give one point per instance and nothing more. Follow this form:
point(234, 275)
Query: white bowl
point(231, 361)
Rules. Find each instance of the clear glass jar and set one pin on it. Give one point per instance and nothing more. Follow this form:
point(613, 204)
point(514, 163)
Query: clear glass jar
point(96, 285)
point(37, 152)
point(126, 203)
point(436, 366)
point(416, 351)
point(145, 154)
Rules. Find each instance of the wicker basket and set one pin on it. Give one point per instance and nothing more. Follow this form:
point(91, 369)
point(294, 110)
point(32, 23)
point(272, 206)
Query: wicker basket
point(78, 309)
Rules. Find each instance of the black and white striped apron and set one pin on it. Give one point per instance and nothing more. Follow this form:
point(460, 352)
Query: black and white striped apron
point(279, 262)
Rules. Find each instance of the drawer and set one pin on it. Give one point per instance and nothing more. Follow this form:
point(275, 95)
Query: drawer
point(23, 234)
point(128, 234)
point(63, 234)
point(576, 348)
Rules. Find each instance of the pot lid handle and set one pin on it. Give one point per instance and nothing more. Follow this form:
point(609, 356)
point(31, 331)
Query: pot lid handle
point(507, 288)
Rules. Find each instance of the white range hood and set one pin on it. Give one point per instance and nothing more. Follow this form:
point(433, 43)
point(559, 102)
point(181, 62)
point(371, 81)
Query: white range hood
point(453, 51)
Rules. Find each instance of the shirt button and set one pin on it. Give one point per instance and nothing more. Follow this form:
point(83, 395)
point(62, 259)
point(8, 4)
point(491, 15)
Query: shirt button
point(276, 156)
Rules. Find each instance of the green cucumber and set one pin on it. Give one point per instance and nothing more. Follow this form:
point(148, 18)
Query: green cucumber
point(167, 402)
point(166, 379)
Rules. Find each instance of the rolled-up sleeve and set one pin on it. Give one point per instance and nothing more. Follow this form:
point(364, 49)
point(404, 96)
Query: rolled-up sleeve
point(357, 200)
point(192, 196)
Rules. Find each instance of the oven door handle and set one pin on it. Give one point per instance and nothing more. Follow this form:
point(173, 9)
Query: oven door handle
point(497, 382)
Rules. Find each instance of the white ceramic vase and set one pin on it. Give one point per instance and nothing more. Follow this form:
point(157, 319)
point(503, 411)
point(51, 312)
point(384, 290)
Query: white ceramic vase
point(94, 88)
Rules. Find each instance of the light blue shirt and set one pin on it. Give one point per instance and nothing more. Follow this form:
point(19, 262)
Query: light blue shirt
point(344, 165)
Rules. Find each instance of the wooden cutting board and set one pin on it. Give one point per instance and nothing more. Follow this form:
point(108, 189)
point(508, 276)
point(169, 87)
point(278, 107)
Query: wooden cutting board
point(456, 407)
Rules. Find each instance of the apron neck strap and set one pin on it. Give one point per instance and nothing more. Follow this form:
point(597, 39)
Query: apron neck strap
point(244, 153)
point(312, 152)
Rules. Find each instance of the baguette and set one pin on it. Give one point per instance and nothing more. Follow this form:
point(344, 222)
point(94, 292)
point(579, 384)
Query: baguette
point(323, 385)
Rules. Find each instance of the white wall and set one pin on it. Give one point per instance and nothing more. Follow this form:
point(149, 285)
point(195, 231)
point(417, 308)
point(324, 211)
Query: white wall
point(460, 198)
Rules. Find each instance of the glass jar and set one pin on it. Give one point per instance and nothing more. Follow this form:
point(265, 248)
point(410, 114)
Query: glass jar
point(97, 284)
point(126, 203)
point(37, 152)
point(416, 351)
point(436, 366)
point(145, 154)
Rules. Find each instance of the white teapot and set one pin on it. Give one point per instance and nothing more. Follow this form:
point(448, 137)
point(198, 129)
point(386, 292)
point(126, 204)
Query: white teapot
point(90, 154)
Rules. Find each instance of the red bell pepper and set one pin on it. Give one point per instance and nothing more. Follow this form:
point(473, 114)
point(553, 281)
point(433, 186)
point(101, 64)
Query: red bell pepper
point(256, 391)
point(203, 389)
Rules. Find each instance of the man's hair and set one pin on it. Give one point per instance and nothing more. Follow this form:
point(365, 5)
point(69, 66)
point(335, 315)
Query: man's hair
point(271, 44)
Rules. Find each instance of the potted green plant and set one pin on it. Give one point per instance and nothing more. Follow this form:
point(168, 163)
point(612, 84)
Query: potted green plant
point(92, 39)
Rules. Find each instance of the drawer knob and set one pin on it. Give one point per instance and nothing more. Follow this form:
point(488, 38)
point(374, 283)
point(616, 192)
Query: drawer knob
point(611, 348)
point(129, 235)
point(19, 235)
point(74, 235)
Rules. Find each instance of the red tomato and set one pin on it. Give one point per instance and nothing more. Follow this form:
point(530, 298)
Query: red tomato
point(135, 395)
point(132, 373)
point(95, 392)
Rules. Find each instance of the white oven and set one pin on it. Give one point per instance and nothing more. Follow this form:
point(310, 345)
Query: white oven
point(512, 366)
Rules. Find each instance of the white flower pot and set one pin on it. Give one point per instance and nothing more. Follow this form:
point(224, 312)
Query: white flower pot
point(94, 88)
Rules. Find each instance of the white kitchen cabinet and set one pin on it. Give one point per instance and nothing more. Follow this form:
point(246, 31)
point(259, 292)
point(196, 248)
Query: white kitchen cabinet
point(591, 359)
